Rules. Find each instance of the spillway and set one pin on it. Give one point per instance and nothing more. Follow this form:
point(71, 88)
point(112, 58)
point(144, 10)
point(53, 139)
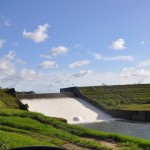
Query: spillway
point(74, 110)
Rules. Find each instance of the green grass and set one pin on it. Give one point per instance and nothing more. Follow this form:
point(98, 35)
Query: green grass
point(9, 100)
point(123, 97)
point(13, 140)
point(15, 124)
point(23, 128)
point(138, 107)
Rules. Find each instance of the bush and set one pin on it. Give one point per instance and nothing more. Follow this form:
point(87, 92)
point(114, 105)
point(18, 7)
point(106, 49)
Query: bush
point(11, 91)
point(24, 106)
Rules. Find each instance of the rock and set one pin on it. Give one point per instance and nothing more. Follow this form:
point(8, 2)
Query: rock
point(77, 118)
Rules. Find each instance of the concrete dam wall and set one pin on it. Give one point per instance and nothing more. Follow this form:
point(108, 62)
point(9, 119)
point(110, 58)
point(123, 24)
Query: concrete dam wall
point(125, 114)
point(65, 105)
point(45, 95)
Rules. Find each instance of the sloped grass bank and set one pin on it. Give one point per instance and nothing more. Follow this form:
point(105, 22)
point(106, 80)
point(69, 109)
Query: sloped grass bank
point(23, 128)
point(123, 97)
point(9, 100)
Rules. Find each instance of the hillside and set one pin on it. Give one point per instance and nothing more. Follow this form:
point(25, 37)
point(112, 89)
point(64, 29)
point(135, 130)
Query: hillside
point(9, 100)
point(23, 128)
point(123, 97)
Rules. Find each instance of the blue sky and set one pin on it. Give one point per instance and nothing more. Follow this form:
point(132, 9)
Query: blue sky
point(46, 45)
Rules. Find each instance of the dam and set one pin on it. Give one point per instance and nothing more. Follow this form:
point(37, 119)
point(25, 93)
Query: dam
point(65, 105)
point(78, 111)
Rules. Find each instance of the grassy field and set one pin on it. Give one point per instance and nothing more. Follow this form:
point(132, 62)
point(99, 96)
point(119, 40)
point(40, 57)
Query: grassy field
point(23, 128)
point(124, 97)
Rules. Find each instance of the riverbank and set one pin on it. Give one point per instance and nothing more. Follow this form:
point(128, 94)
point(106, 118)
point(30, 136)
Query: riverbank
point(23, 128)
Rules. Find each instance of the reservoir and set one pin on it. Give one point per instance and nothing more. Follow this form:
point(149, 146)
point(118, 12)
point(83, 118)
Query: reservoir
point(136, 129)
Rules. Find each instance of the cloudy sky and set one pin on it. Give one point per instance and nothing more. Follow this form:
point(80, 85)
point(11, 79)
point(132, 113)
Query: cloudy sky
point(46, 45)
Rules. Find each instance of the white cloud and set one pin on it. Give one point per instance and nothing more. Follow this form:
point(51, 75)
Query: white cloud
point(29, 74)
point(10, 74)
point(38, 35)
point(48, 81)
point(121, 58)
point(20, 62)
point(7, 67)
point(48, 64)
point(79, 63)
point(144, 63)
point(47, 56)
point(82, 73)
point(10, 55)
point(2, 42)
point(55, 51)
point(60, 50)
point(127, 72)
point(20, 78)
point(113, 58)
point(119, 44)
point(142, 73)
point(97, 56)
point(136, 73)
point(53, 81)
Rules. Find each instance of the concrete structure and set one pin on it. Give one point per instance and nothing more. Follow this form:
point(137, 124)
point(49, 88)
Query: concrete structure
point(45, 95)
point(65, 105)
point(74, 110)
point(125, 114)
point(73, 92)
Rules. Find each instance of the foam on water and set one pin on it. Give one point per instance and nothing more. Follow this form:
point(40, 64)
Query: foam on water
point(75, 110)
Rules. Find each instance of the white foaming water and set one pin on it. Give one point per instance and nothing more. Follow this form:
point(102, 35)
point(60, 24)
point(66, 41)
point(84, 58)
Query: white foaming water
point(74, 110)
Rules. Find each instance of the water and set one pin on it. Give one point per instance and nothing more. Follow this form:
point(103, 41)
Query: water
point(75, 110)
point(136, 129)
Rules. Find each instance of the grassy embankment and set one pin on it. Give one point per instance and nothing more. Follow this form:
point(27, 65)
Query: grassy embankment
point(23, 128)
point(123, 97)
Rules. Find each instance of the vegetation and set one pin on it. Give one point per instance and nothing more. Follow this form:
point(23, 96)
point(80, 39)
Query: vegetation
point(23, 128)
point(9, 100)
point(124, 97)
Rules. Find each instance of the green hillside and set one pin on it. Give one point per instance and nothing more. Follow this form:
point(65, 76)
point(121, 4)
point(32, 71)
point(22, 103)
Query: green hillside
point(23, 128)
point(9, 100)
point(125, 97)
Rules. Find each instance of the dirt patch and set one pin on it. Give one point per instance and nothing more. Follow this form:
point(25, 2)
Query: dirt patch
point(74, 147)
point(109, 144)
